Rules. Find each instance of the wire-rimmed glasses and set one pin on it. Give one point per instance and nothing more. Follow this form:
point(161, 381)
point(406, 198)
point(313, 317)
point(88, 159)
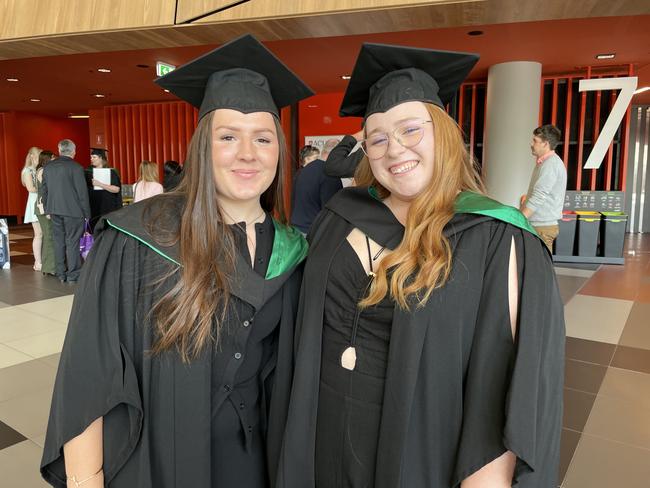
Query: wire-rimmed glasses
point(408, 134)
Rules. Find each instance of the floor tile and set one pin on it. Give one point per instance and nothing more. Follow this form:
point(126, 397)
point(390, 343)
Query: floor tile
point(16, 324)
point(9, 356)
point(589, 351)
point(569, 286)
point(40, 345)
point(568, 446)
point(582, 273)
point(19, 465)
point(620, 420)
point(54, 308)
point(599, 463)
point(39, 440)
point(28, 414)
point(620, 282)
point(596, 318)
point(637, 328)
point(52, 360)
point(632, 358)
point(25, 378)
point(9, 437)
point(583, 376)
point(628, 385)
point(577, 406)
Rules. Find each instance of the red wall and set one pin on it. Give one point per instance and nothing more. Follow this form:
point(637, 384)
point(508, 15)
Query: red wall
point(319, 116)
point(19, 132)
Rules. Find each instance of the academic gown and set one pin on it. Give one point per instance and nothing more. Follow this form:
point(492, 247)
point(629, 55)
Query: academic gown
point(159, 412)
point(459, 391)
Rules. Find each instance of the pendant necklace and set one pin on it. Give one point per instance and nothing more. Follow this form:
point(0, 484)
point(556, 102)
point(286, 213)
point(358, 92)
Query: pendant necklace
point(349, 356)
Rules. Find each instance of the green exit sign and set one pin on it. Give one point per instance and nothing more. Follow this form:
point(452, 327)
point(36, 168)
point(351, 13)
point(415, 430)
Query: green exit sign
point(163, 68)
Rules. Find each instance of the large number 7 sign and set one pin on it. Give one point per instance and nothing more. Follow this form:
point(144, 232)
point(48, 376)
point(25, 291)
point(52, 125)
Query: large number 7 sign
point(627, 85)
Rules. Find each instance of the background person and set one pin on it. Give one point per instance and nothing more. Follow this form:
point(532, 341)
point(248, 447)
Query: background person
point(28, 180)
point(147, 185)
point(65, 200)
point(47, 248)
point(104, 197)
point(544, 201)
point(172, 174)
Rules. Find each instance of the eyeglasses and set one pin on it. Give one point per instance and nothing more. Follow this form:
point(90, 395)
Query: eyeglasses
point(408, 135)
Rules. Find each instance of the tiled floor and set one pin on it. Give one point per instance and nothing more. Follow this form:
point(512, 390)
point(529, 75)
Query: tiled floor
point(606, 434)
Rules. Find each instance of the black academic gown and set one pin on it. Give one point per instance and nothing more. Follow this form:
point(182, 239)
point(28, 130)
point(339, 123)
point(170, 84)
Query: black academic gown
point(459, 391)
point(157, 411)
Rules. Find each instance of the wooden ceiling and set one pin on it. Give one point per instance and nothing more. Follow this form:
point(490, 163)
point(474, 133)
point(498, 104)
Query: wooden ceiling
point(61, 71)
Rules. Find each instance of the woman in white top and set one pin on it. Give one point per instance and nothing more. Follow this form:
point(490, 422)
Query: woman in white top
point(147, 185)
point(28, 179)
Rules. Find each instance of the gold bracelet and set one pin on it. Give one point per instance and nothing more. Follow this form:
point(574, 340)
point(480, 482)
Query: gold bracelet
point(77, 484)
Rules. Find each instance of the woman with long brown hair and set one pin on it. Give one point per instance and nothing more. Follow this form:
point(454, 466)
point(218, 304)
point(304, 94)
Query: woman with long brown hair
point(183, 319)
point(431, 336)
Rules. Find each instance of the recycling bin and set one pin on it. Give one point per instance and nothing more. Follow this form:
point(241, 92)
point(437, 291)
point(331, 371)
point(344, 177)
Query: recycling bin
point(565, 241)
point(588, 228)
point(613, 233)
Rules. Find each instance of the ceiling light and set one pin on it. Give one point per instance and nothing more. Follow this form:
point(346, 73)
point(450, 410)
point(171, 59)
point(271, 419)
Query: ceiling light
point(312, 106)
point(345, 77)
point(12, 79)
point(475, 33)
point(34, 99)
point(103, 70)
point(79, 116)
point(642, 90)
point(606, 56)
point(166, 90)
point(98, 95)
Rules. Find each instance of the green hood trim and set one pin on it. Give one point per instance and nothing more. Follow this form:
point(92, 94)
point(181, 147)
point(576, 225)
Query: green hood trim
point(289, 249)
point(475, 203)
point(140, 239)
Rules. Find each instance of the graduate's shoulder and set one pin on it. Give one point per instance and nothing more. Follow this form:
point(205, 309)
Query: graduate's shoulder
point(151, 222)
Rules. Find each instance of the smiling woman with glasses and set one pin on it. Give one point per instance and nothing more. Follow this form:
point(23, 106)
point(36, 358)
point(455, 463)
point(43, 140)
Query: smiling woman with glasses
point(430, 343)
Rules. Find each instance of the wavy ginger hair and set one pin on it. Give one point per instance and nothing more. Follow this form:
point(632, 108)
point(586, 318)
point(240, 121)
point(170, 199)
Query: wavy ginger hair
point(422, 261)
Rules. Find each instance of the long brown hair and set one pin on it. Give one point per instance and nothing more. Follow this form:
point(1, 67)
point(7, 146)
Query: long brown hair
point(422, 261)
point(192, 312)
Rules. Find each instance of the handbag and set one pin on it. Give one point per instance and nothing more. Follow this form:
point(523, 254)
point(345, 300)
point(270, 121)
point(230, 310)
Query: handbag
point(86, 242)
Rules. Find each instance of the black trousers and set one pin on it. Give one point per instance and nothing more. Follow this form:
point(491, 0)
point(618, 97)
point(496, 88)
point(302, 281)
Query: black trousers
point(66, 233)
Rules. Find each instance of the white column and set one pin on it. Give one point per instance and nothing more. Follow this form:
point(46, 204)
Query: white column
point(513, 92)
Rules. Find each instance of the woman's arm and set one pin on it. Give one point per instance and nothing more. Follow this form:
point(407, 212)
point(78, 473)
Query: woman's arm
point(26, 178)
point(104, 186)
point(498, 473)
point(84, 456)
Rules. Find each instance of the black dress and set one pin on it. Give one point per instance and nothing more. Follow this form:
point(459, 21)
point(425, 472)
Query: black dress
point(349, 409)
point(238, 450)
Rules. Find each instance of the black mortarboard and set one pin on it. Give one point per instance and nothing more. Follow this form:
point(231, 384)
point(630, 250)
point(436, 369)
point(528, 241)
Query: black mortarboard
point(98, 151)
point(241, 75)
point(385, 76)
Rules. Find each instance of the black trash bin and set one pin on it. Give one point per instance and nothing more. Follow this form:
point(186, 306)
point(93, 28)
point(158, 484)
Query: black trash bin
point(565, 241)
point(613, 233)
point(588, 227)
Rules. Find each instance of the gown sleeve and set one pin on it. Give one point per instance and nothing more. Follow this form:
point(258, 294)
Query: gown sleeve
point(96, 375)
point(513, 388)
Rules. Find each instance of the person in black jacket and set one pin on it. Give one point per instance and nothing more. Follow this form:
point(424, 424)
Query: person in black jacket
point(65, 198)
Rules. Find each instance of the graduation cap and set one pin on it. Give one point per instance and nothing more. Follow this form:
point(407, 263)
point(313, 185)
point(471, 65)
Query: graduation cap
point(99, 151)
point(242, 75)
point(385, 76)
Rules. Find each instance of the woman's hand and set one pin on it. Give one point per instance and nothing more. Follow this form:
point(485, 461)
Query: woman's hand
point(98, 183)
